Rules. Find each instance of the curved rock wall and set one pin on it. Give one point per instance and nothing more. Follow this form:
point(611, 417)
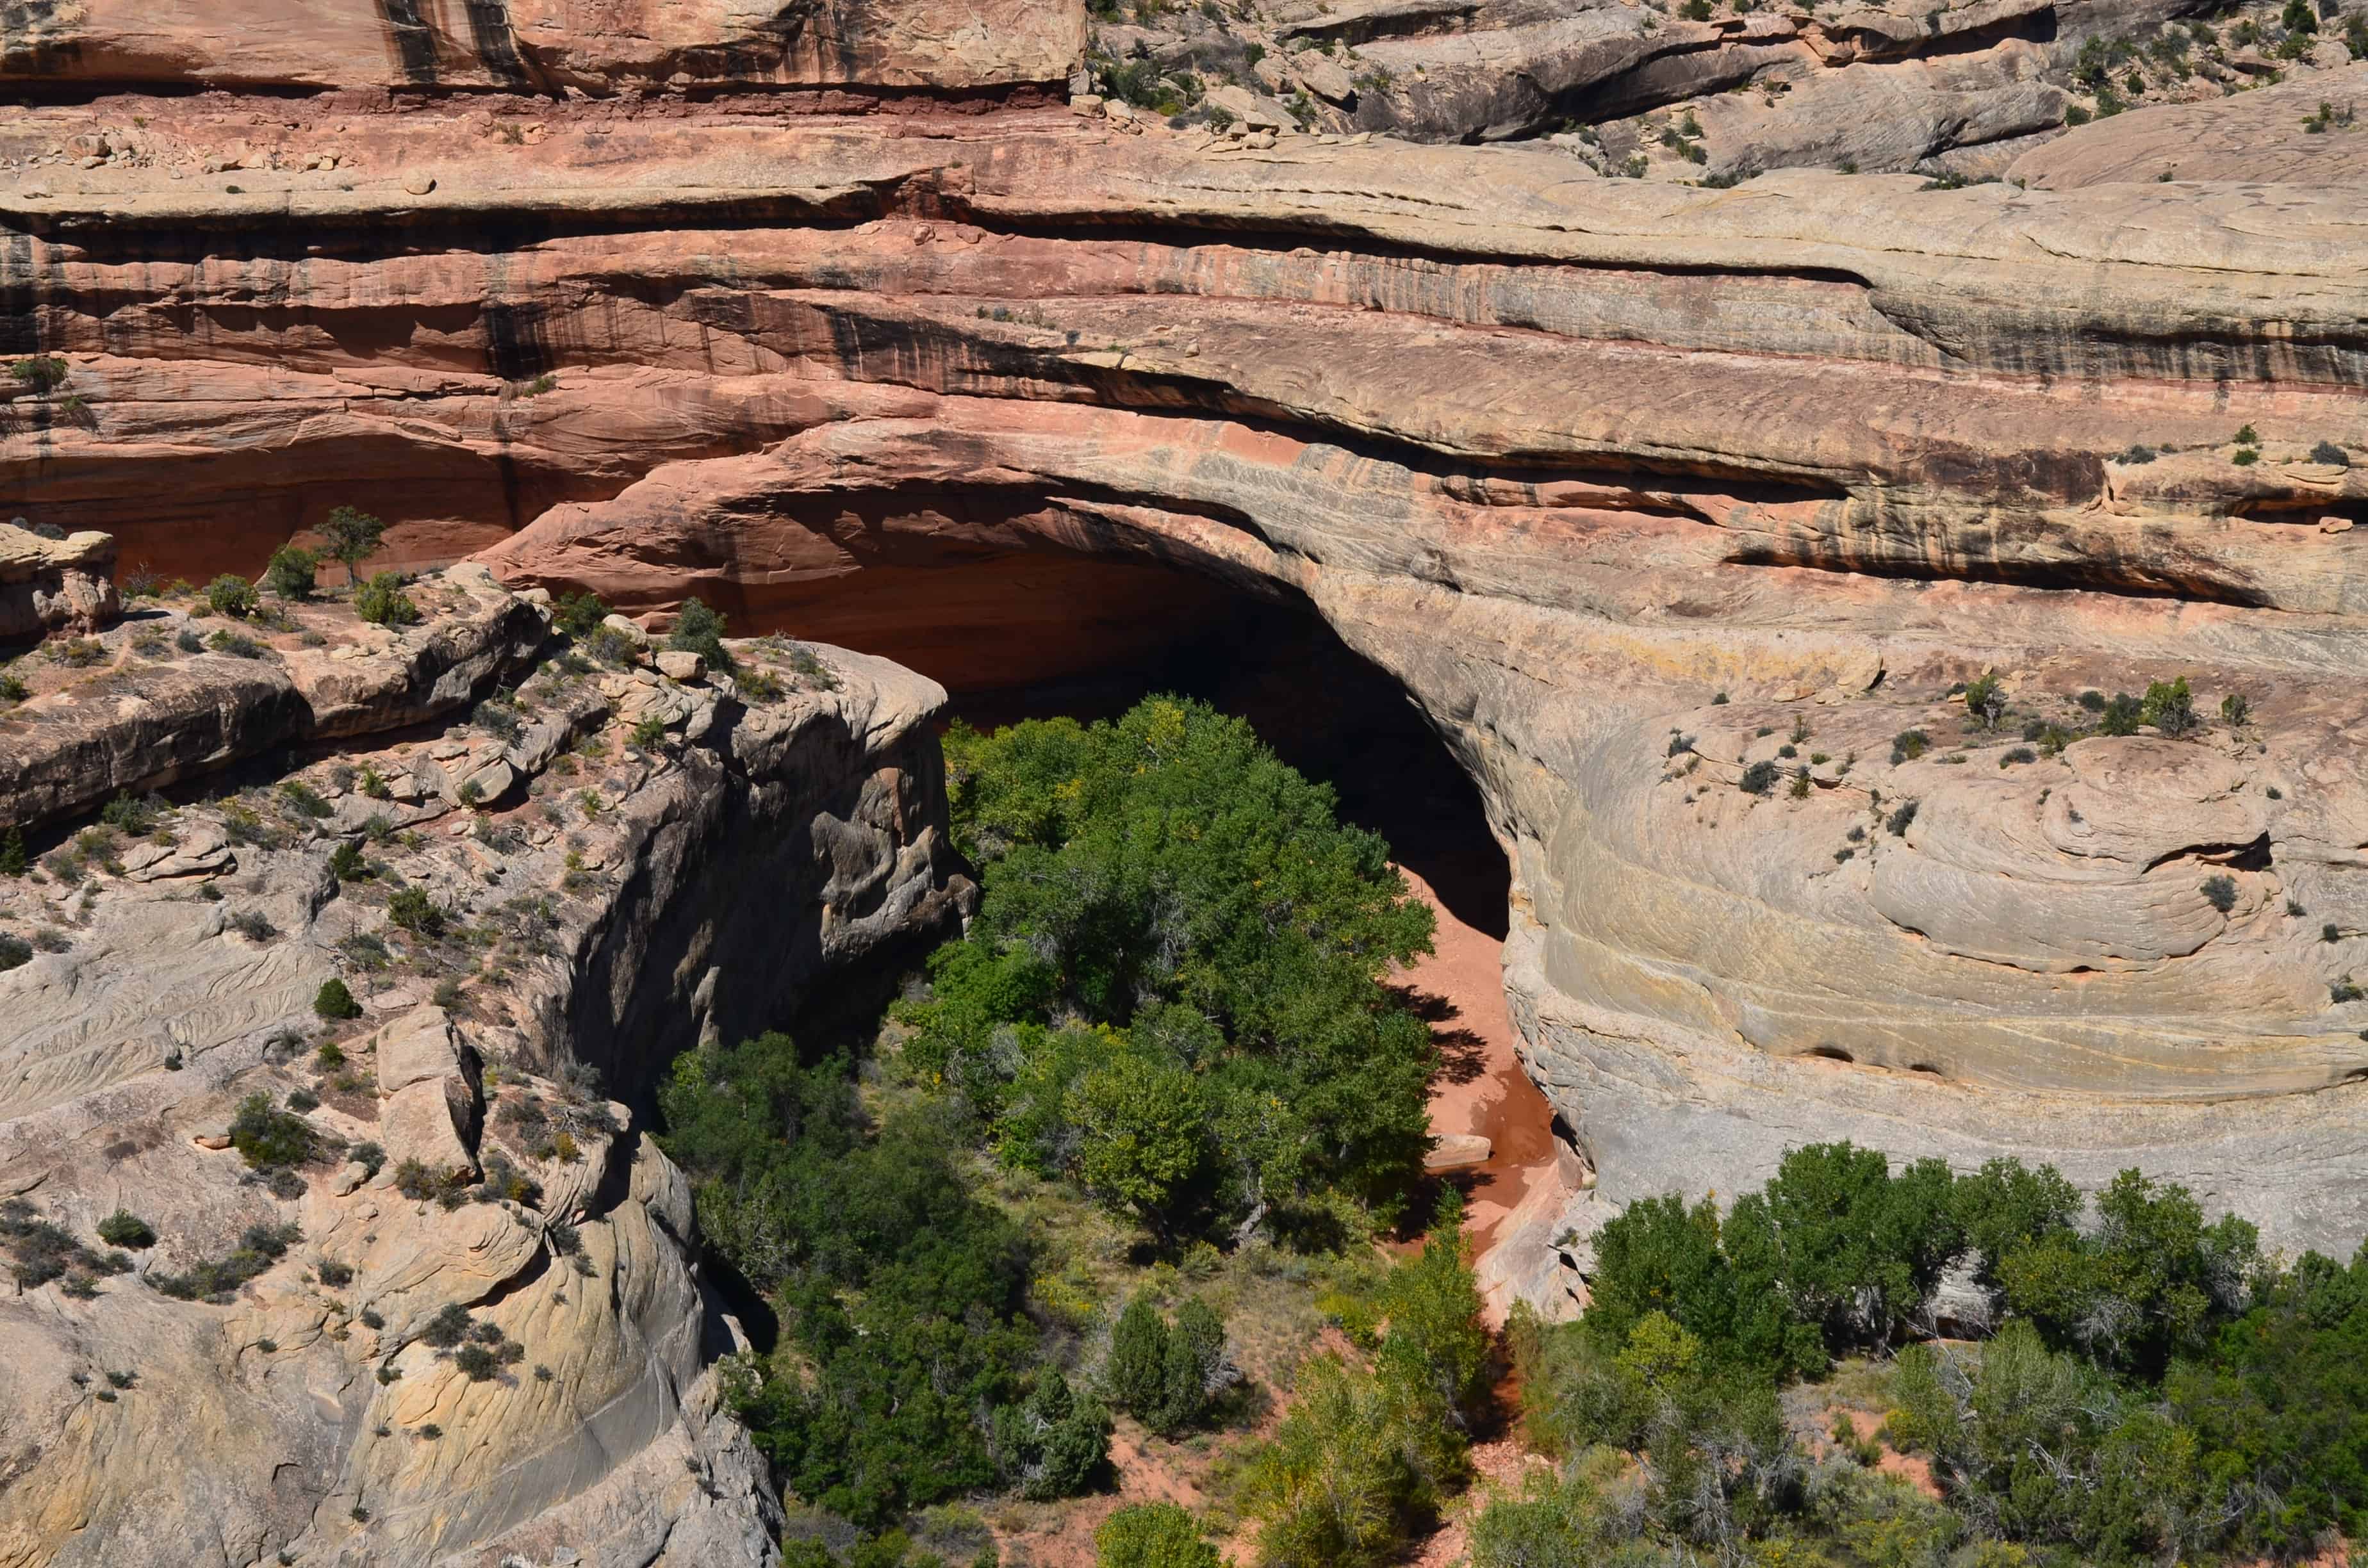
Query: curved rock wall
point(1628, 483)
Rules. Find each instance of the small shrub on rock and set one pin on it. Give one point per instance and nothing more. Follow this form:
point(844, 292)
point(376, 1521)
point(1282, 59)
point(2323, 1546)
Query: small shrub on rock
point(478, 1362)
point(2220, 892)
point(237, 645)
point(1897, 824)
point(2329, 452)
point(448, 1327)
point(268, 1137)
point(383, 602)
point(1985, 700)
point(253, 924)
point(1909, 744)
point(576, 615)
point(1759, 778)
point(2169, 708)
point(2122, 715)
point(291, 571)
point(259, 1247)
point(412, 909)
point(125, 1229)
point(698, 630)
point(231, 595)
point(333, 1001)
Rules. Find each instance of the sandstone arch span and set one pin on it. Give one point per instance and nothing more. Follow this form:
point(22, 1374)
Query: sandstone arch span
point(1571, 458)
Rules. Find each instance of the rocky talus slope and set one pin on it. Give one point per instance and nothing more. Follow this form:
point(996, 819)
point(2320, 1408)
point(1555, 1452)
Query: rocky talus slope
point(1683, 512)
point(518, 895)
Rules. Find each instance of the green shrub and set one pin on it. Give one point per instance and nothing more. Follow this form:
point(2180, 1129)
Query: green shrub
point(2169, 707)
point(698, 630)
point(383, 602)
point(1909, 744)
point(1194, 1369)
point(268, 1137)
point(130, 814)
point(335, 1001)
point(1985, 700)
point(231, 595)
point(449, 1326)
point(1055, 1443)
point(346, 864)
point(2220, 892)
point(125, 1229)
point(413, 910)
point(2329, 452)
point(215, 1279)
point(1357, 1467)
point(2121, 716)
point(41, 373)
point(1152, 1535)
point(1435, 1340)
point(1136, 1372)
point(577, 615)
point(291, 571)
point(1759, 778)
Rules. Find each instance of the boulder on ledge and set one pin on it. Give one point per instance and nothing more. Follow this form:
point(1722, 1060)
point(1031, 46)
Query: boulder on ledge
point(56, 585)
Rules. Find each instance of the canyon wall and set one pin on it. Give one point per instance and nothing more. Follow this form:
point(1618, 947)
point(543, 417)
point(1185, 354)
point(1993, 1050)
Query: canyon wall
point(575, 851)
point(1679, 509)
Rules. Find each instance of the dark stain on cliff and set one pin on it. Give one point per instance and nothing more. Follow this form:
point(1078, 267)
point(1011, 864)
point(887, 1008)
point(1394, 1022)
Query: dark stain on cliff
point(414, 40)
point(489, 29)
point(21, 330)
point(516, 349)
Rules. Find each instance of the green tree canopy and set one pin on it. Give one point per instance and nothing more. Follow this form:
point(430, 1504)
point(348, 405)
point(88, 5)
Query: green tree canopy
point(1174, 987)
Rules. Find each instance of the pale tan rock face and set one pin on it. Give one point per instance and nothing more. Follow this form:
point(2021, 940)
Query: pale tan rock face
point(2258, 135)
point(62, 585)
point(545, 45)
point(186, 967)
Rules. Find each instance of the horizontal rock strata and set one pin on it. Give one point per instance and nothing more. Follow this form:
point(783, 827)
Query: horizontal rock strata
point(1628, 483)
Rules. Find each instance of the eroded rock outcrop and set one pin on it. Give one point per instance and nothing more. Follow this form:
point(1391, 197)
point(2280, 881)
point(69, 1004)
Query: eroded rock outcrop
point(56, 585)
point(541, 45)
point(296, 1323)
